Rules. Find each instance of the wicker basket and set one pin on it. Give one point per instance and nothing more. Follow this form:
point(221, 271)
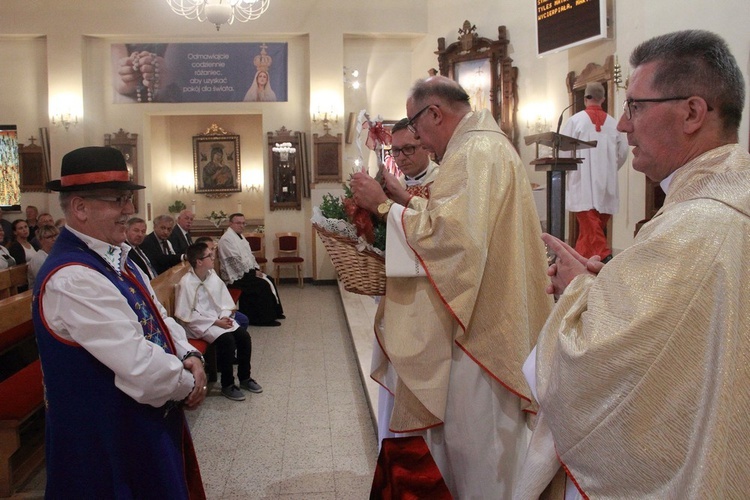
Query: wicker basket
point(360, 272)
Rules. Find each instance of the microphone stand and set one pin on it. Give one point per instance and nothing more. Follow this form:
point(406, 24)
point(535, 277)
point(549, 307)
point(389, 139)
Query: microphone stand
point(556, 148)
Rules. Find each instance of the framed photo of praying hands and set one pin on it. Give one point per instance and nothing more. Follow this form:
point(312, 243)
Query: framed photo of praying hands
point(216, 162)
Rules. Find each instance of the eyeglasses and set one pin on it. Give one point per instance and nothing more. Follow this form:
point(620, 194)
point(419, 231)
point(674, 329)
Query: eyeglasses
point(121, 200)
point(406, 150)
point(411, 125)
point(238, 223)
point(628, 108)
point(209, 256)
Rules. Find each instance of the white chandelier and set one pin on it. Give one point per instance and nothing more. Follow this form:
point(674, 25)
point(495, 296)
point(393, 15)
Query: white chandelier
point(220, 12)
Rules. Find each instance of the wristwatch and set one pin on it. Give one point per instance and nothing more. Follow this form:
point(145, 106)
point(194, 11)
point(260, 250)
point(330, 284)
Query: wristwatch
point(384, 208)
point(195, 354)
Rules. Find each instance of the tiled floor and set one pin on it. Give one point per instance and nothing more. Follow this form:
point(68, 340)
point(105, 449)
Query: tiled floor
point(310, 434)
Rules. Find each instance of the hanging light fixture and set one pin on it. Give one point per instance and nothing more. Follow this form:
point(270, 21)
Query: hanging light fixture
point(220, 12)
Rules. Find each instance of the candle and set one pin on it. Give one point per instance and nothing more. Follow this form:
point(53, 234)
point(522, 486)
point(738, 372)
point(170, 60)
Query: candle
point(239, 207)
point(193, 208)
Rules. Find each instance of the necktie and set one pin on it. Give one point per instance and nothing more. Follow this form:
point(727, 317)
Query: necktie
point(165, 247)
point(151, 271)
point(189, 238)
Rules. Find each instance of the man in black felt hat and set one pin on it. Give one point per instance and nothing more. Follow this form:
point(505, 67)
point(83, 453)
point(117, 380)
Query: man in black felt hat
point(117, 369)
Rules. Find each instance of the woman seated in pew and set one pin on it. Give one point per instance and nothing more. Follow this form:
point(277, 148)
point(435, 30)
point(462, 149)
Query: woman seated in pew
point(46, 235)
point(20, 247)
point(6, 260)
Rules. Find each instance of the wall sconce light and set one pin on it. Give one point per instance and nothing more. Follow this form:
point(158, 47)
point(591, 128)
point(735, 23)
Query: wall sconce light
point(535, 115)
point(540, 125)
point(351, 78)
point(64, 120)
point(65, 109)
point(617, 76)
point(326, 118)
point(183, 182)
point(255, 188)
point(284, 150)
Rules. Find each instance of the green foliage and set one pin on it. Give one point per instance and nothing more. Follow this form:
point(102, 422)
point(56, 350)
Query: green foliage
point(332, 207)
point(220, 215)
point(380, 236)
point(177, 207)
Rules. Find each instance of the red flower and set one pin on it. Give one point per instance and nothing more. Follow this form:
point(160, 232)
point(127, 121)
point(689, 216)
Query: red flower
point(361, 219)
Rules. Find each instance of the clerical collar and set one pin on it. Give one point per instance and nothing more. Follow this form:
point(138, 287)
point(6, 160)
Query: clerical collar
point(416, 177)
point(666, 182)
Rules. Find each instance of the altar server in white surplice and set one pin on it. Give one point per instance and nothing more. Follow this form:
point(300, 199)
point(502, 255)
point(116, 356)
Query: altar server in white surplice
point(260, 300)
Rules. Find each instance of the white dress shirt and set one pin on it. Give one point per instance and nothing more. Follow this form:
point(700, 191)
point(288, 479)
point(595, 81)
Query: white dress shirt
point(81, 306)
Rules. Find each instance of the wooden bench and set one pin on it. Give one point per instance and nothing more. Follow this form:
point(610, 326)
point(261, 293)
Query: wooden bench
point(13, 278)
point(164, 286)
point(21, 395)
point(19, 278)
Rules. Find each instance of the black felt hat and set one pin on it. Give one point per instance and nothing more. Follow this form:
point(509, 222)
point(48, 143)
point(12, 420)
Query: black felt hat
point(94, 167)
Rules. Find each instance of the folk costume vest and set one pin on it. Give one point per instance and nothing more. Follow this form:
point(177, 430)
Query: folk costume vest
point(101, 443)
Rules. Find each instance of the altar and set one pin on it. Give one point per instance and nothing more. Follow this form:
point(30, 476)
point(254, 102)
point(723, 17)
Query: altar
point(204, 227)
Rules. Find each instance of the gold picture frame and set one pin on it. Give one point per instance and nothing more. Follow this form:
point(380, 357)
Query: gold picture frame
point(216, 162)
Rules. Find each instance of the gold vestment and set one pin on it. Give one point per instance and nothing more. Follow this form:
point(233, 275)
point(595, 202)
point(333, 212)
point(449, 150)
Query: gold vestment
point(478, 238)
point(642, 371)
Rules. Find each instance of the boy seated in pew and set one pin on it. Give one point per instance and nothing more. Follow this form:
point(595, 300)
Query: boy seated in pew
point(206, 310)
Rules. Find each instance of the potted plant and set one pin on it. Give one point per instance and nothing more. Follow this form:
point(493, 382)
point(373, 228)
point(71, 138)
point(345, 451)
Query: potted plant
point(176, 207)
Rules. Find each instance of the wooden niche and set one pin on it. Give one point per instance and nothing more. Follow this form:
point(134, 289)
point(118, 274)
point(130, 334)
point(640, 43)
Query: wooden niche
point(34, 167)
point(328, 157)
point(285, 158)
point(127, 144)
point(485, 71)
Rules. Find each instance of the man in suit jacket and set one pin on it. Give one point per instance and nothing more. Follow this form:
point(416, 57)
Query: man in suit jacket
point(180, 237)
point(157, 247)
point(136, 233)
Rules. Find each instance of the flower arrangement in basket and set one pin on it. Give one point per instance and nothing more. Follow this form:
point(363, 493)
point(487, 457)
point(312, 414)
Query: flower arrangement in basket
point(353, 237)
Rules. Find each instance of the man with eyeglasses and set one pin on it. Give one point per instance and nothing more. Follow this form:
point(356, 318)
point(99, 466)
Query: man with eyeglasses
point(117, 370)
point(642, 369)
point(413, 161)
point(591, 191)
point(203, 305)
point(259, 300)
point(478, 240)
point(419, 172)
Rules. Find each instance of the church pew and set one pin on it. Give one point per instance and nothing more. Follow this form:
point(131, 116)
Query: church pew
point(19, 278)
point(22, 396)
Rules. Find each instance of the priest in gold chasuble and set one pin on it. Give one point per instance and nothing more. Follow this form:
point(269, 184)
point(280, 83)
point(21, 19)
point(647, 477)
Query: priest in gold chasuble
point(477, 240)
point(642, 370)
